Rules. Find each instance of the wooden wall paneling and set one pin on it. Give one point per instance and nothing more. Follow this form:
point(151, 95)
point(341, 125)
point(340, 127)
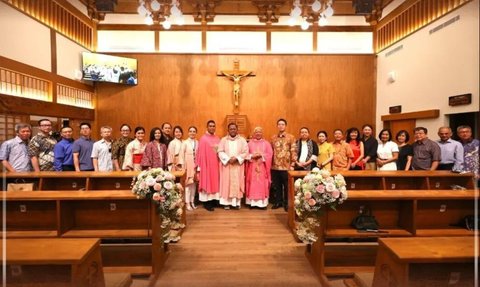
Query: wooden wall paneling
point(317, 91)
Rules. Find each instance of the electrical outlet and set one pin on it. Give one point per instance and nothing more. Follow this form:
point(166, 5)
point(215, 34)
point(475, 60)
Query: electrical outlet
point(437, 185)
point(454, 278)
point(23, 208)
point(443, 207)
point(74, 184)
point(352, 185)
point(16, 270)
point(113, 206)
point(117, 185)
point(393, 186)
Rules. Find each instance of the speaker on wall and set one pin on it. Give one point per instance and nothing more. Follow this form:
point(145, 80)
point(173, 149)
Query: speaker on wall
point(105, 5)
point(363, 7)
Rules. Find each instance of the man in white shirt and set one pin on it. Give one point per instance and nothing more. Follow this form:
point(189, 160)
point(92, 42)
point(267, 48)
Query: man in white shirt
point(102, 151)
point(452, 151)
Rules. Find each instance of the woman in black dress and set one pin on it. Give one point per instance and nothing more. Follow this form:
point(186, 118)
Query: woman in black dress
point(405, 154)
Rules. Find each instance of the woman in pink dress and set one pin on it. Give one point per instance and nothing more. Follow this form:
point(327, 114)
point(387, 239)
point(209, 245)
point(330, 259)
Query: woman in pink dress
point(259, 158)
point(155, 155)
point(189, 153)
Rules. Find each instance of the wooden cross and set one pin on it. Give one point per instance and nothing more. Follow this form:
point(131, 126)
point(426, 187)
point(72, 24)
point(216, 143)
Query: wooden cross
point(236, 75)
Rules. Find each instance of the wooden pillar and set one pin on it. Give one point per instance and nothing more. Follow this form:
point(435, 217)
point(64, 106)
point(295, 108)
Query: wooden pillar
point(157, 40)
point(204, 36)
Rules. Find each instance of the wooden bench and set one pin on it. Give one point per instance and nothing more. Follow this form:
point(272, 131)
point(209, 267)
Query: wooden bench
point(342, 250)
point(387, 181)
point(406, 204)
point(425, 261)
point(53, 262)
point(129, 227)
point(84, 181)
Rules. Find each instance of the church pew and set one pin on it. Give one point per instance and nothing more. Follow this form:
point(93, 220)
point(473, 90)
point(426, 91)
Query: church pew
point(425, 261)
point(387, 181)
point(53, 262)
point(86, 180)
point(125, 224)
point(405, 203)
point(342, 250)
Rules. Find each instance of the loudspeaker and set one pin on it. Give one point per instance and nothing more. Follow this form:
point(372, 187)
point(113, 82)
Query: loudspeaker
point(105, 5)
point(363, 7)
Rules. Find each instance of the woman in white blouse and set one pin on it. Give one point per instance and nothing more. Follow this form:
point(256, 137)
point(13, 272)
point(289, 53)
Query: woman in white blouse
point(189, 152)
point(387, 151)
point(174, 156)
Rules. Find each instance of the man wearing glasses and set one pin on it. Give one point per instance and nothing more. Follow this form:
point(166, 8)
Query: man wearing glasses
point(40, 148)
point(82, 149)
point(102, 151)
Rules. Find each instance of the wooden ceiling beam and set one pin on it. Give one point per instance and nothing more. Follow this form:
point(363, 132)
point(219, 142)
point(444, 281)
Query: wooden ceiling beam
point(237, 7)
point(262, 28)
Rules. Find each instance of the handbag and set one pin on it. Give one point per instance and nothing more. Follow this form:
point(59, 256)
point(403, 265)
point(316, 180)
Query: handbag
point(365, 220)
point(468, 222)
point(20, 186)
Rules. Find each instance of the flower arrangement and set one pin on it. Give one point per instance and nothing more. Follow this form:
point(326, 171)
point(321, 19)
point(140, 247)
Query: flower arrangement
point(159, 186)
point(312, 193)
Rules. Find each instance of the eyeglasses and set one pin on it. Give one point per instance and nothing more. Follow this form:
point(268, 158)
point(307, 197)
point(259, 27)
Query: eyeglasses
point(125, 130)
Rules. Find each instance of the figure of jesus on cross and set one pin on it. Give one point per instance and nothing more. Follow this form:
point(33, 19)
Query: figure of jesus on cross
point(236, 76)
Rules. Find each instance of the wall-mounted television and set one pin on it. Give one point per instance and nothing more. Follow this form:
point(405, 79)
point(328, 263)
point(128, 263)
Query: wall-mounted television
point(106, 68)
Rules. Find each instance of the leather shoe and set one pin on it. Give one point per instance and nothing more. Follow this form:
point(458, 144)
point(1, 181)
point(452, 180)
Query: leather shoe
point(209, 208)
point(276, 206)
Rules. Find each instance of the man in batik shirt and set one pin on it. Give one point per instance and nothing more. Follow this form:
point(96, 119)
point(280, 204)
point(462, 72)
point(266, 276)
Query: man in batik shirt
point(119, 146)
point(470, 151)
point(40, 148)
point(284, 158)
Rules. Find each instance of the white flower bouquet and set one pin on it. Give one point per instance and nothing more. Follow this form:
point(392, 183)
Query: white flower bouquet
point(313, 193)
point(159, 186)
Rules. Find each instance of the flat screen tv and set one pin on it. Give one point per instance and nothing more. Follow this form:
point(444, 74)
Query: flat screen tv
point(106, 68)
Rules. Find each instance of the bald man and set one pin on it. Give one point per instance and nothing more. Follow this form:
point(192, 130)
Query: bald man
point(451, 150)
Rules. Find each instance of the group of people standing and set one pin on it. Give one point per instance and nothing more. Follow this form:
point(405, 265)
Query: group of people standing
point(361, 151)
point(226, 169)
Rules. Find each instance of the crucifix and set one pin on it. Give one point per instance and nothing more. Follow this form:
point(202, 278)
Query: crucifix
point(236, 75)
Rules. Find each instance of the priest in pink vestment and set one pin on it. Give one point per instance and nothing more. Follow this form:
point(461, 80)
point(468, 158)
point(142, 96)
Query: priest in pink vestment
point(260, 155)
point(232, 151)
point(208, 167)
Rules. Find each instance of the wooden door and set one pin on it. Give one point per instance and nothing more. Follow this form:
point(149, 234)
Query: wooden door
point(407, 125)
